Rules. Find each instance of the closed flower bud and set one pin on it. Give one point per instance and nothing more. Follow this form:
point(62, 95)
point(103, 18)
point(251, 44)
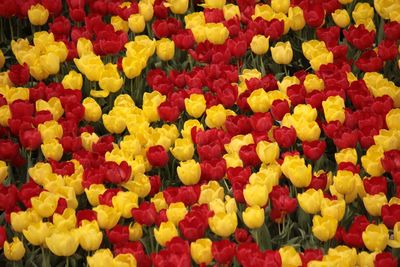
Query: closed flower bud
point(22, 219)
point(341, 18)
point(259, 44)
point(92, 109)
point(176, 212)
point(135, 232)
point(216, 33)
point(93, 193)
point(376, 237)
point(200, 250)
point(313, 83)
point(165, 233)
point(90, 65)
point(88, 140)
point(36, 233)
point(146, 10)
point(280, 5)
point(282, 53)
point(50, 63)
point(297, 171)
point(84, 46)
point(223, 224)
point(45, 204)
point(195, 105)
point(119, 24)
point(53, 105)
point(165, 49)
point(125, 259)
point(109, 79)
point(334, 109)
point(366, 259)
point(392, 119)
point(38, 15)
point(324, 228)
point(267, 152)
point(289, 256)
point(102, 257)
point(189, 172)
point(310, 200)
point(216, 116)
point(15, 250)
point(321, 59)
point(178, 6)
point(211, 191)
point(63, 243)
point(52, 149)
point(5, 115)
point(136, 23)
point(254, 217)
point(296, 18)
point(3, 171)
point(256, 194)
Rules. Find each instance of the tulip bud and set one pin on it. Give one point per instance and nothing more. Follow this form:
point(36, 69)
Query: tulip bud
point(289, 256)
point(52, 149)
point(15, 250)
point(36, 233)
point(200, 250)
point(38, 15)
point(216, 33)
point(259, 44)
point(165, 49)
point(3, 171)
point(92, 109)
point(341, 18)
point(195, 105)
point(165, 233)
point(45, 204)
point(136, 23)
point(178, 6)
point(376, 237)
point(254, 217)
point(189, 172)
point(324, 228)
point(282, 53)
point(73, 80)
point(216, 116)
point(296, 18)
point(89, 235)
point(223, 224)
point(135, 232)
point(63, 243)
point(107, 217)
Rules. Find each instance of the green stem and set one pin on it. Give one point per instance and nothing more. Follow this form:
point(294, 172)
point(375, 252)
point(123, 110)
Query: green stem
point(67, 262)
point(11, 29)
point(151, 239)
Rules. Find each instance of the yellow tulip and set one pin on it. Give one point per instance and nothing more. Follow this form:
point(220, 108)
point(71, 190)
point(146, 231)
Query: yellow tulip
point(135, 231)
point(290, 257)
point(376, 237)
point(107, 216)
point(63, 243)
point(324, 228)
point(189, 172)
point(73, 80)
point(165, 49)
point(89, 235)
point(45, 204)
point(223, 224)
point(136, 23)
point(254, 217)
point(38, 15)
point(200, 250)
point(102, 257)
point(176, 212)
point(310, 200)
point(216, 33)
point(92, 109)
point(195, 105)
point(178, 6)
point(296, 18)
point(52, 149)
point(282, 53)
point(15, 250)
point(259, 44)
point(36, 233)
point(341, 18)
point(165, 233)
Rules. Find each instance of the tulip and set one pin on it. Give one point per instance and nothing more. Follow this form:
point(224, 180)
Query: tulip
point(341, 18)
point(296, 18)
point(22, 219)
point(223, 224)
point(282, 53)
point(231, 11)
point(333, 208)
point(45, 204)
point(256, 194)
point(15, 250)
point(216, 33)
point(3, 171)
point(310, 200)
point(84, 46)
point(254, 217)
point(178, 6)
point(102, 257)
point(373, 203)
point(195, 105)
point(114, 124)
point(36, 233)
point(200, 250)
point(92, 109)
point(324, 228)
point(165, 49)
point(216, 116)
point(73, 80)
point(267, 152)
point(165, 233)
point(289, 256)
point(53, 105)
point(176, 212)
point(135, 231)
point(366, 259)
point(189, 172)
point(110, 79)
point(376, 237)
point(259, 44)
point(52, 149)
point(125, 259)
point(346, 155)
point(136, 23)
point(183, 149)
point(392, 117)
point(2, 59)
point(146, 10)
point(124, 202)
point(38, 15)
point(62, 242)
point(119, 24)
point(107, 216)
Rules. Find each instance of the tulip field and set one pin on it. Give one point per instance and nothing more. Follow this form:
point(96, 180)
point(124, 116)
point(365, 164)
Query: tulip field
point(178, 133)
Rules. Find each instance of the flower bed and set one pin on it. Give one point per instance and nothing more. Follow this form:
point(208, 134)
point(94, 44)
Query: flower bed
point(185, 133)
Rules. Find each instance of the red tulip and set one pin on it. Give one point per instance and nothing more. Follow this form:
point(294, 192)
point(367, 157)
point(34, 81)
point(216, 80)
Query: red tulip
point(223, 251)
point(146, 213)
point(157, 156)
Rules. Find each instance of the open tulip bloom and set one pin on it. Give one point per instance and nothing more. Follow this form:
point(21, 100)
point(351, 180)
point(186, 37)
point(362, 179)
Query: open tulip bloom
point(199, 133)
